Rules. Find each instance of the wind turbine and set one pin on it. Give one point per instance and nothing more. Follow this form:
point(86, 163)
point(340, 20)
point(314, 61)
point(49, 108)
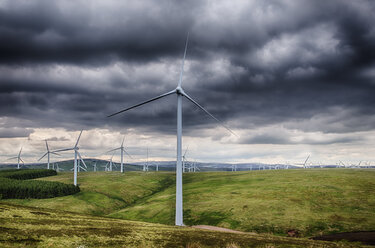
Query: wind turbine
point(122, 150)
point(359, 164)
point(145, 165)
point(180, 94)
point(195, 166)
point(48, 154)
point(184, 160)
point(340, 162)
point(109, 164)
point(19, 159)
point(58, 167)
point(305, 165)
point(94, 165)
point(76, 155)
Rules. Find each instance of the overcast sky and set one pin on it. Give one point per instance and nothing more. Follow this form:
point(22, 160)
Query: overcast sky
point(290, 77)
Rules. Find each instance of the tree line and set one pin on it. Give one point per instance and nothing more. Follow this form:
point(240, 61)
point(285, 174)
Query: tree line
point(15, 184)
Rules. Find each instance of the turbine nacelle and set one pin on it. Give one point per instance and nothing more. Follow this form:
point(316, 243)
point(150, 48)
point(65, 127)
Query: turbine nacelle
point(180, 91)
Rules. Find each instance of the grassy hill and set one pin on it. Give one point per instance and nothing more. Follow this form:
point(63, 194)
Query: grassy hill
point(35, 227)
point(313, 202)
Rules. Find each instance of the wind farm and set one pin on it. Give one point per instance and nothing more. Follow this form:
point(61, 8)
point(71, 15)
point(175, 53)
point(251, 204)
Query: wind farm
point(187, 124)
point(209, 217)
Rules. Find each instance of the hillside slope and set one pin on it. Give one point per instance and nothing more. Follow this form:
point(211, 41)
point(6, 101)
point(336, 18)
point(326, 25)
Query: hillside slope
point(34, 227)
point(311, 202)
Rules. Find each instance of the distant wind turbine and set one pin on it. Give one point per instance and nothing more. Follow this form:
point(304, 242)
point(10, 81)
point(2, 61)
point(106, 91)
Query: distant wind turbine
point(110, 163)
point(195, 166)
point(304, 164)
point(94, 165)
point(48, 154)
point(57, 167)
point(184, 160)
point(76, 155)
point(19, 159)
point(145, 165)
point(180, 94)
point(122, 150)
point(342, 164)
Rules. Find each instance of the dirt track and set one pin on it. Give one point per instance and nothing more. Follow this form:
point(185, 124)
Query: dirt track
point(364, 237)
point(215, 228)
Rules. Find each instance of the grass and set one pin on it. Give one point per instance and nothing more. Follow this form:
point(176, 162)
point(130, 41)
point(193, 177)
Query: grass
point(312, 202)
point(37, 227)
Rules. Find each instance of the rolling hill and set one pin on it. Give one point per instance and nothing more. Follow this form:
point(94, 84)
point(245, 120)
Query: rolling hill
point(37, 227)
point(310, 202)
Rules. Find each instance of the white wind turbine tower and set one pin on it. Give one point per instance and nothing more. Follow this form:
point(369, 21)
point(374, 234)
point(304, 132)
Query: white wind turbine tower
point(122, 151)
point(94, 165)
point(180, 94)
point(48, 154)
point(76, 155)
point(19, 159)
point(287, 164)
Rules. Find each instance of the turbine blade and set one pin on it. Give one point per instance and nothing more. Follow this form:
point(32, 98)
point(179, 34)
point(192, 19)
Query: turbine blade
point(199, 106)
point(47, 146)
point(19, 154)
point(306, 160)
point(127, 153)
point(78, 138)
point(63, 150)
point(43, 156)
point(12, 158)
point(80, 157)
point(113, 150)
point(22, 160)
point(142, 103)
point(122, 144)
point(55, 153)
point(186, 151)
point(183, 61)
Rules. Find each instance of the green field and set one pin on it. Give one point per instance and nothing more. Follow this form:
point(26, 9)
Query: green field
point(22, 226)
point(313, 201)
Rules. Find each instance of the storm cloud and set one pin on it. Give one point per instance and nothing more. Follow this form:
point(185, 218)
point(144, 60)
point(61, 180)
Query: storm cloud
point(305, 65)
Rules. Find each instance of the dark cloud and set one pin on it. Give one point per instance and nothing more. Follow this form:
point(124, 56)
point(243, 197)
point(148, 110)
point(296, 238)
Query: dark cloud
point(251, 64)
point(15, 132)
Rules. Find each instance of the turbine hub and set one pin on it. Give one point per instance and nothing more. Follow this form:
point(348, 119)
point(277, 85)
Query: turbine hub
point(179, 90)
